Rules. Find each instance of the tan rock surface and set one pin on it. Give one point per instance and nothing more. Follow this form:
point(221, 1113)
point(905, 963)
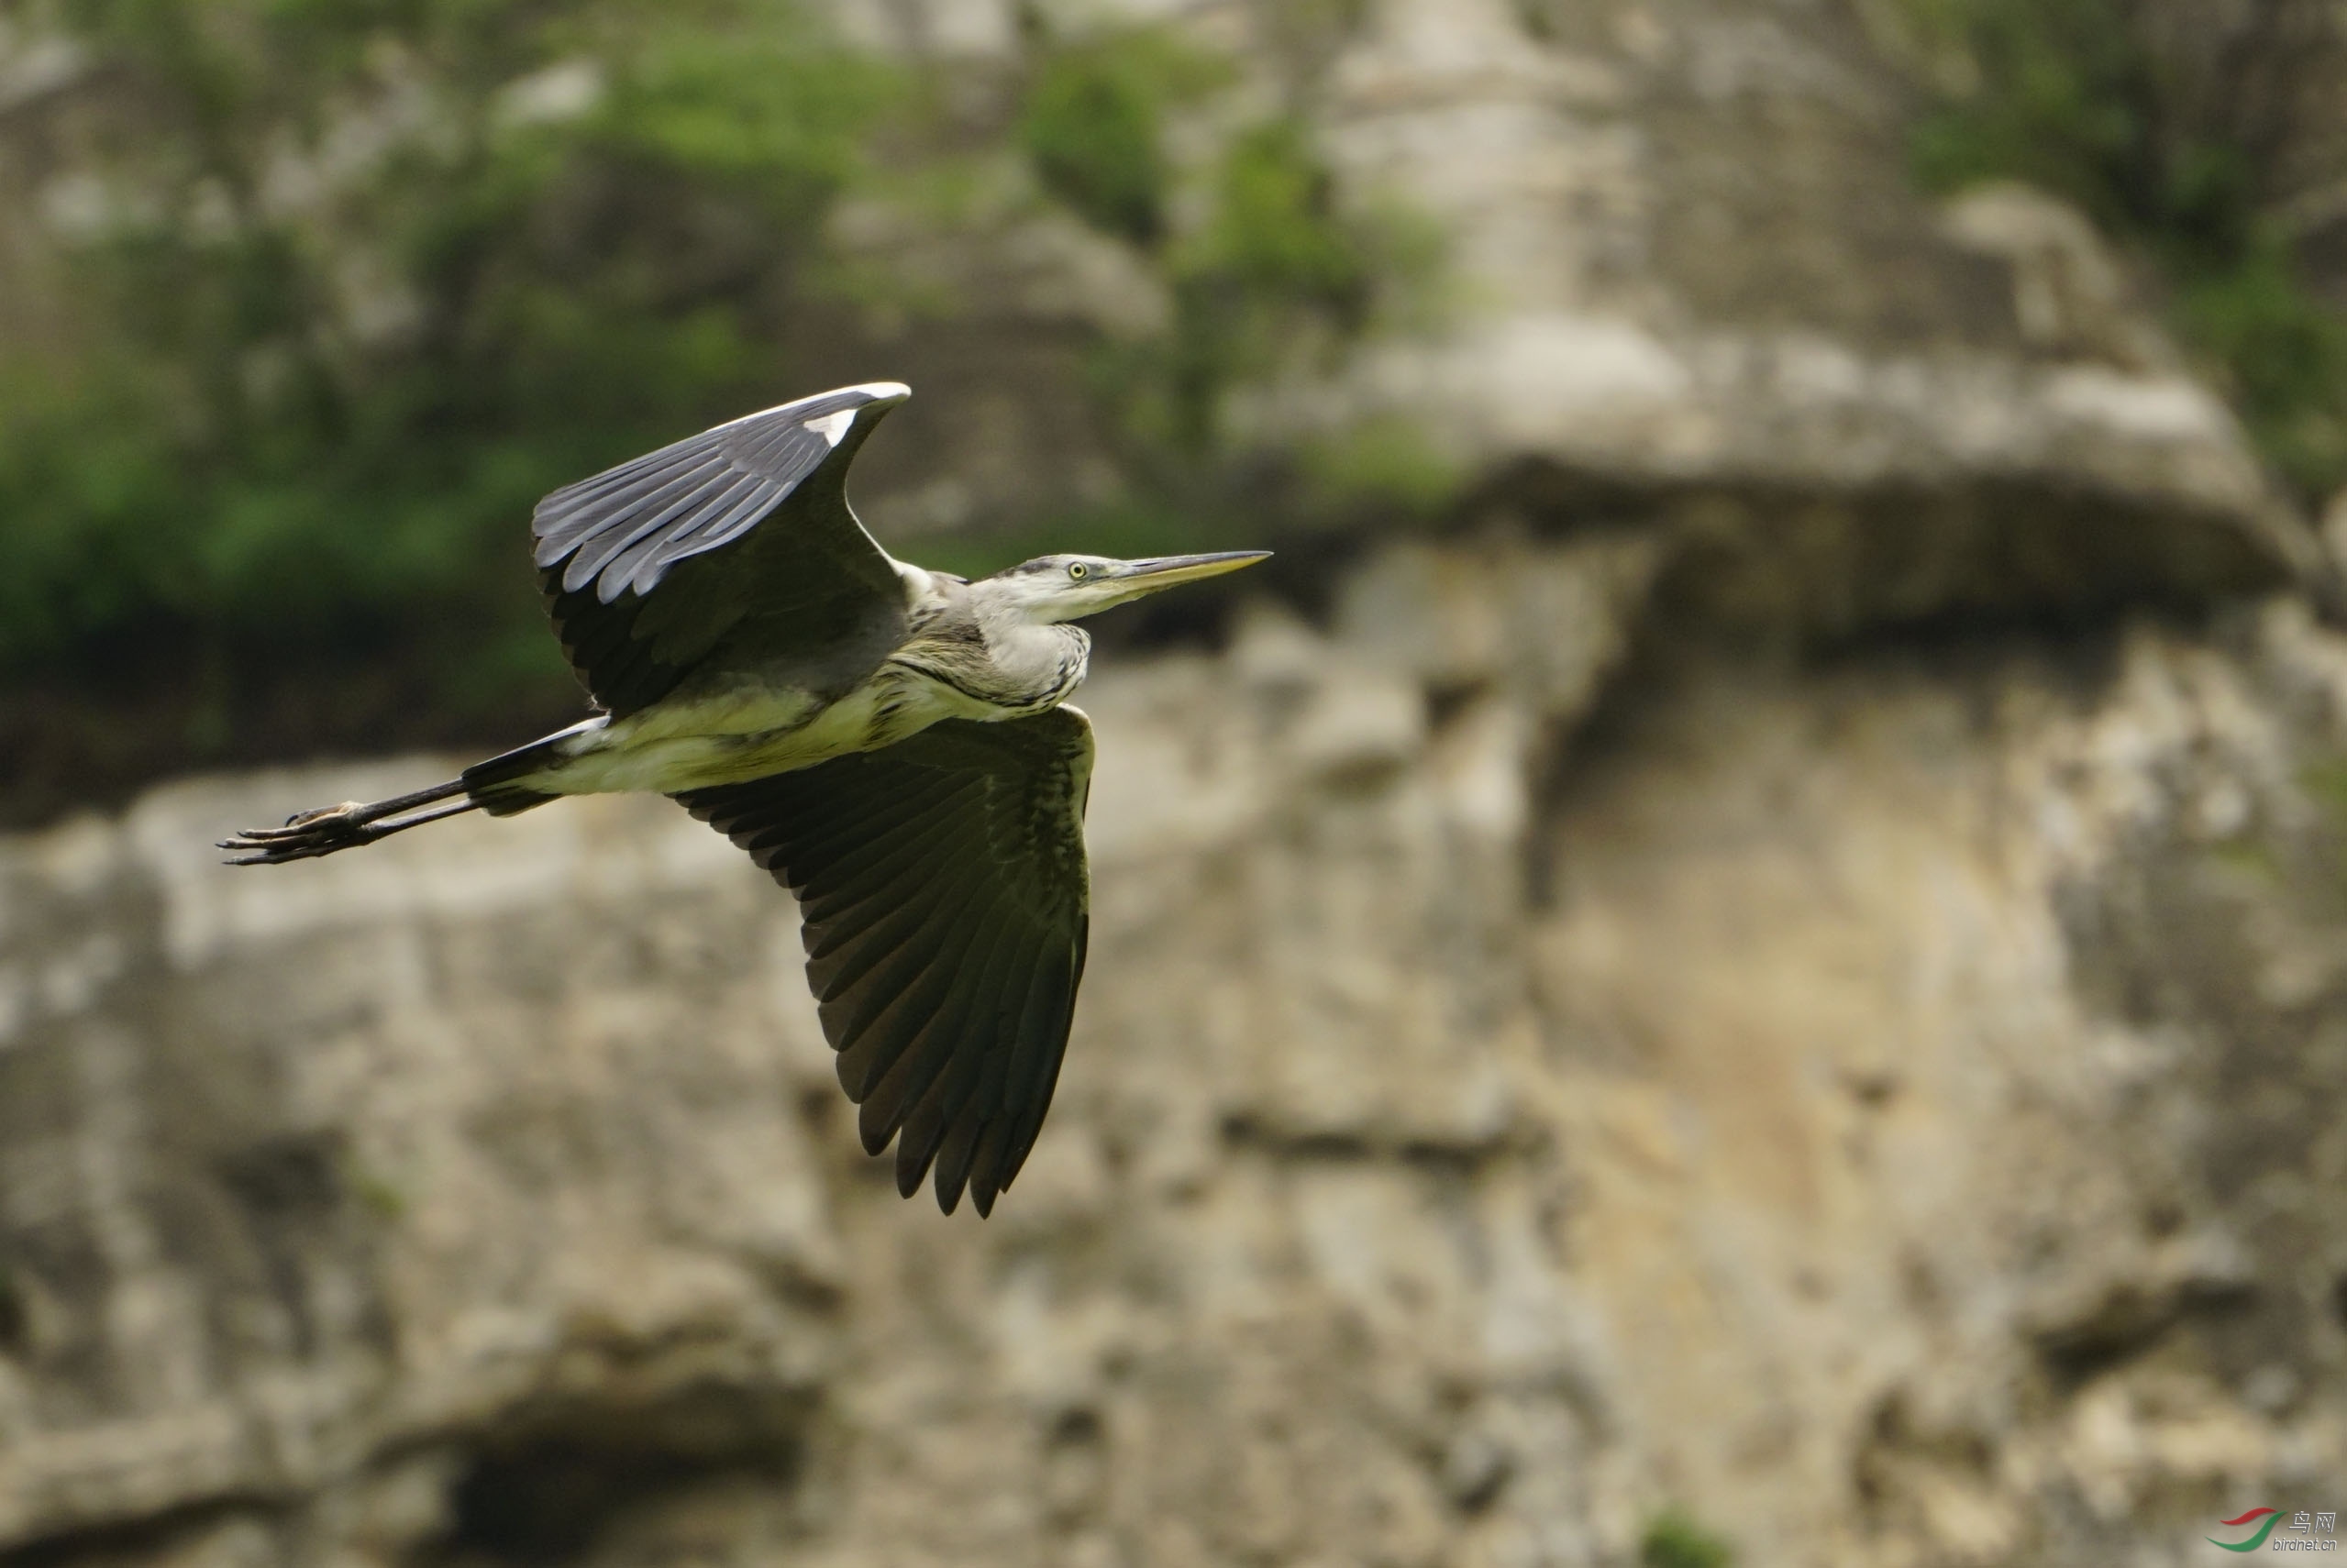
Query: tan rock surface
point(1681, 250)
point(1892, 1109)
point(1605, 1016)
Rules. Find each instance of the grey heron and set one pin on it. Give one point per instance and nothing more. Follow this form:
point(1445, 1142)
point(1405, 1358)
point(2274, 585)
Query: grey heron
point(891, 744)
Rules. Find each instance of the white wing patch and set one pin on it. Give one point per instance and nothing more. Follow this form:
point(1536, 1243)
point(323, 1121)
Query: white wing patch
point(832, 427)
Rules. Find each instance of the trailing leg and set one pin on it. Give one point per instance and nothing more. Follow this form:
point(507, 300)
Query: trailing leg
point(496, 786)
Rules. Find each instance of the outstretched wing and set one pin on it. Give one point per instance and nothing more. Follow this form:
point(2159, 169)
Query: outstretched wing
point(653, 566)
point(943, 885)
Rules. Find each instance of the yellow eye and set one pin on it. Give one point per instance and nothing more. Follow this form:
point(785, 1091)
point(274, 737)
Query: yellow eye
point(1079, 570)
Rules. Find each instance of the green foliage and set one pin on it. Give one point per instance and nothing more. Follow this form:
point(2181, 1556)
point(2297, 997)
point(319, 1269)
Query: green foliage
point(1266, 274)
point(2325, 781)
point(1273, 276)
point(2059, 100)
point(1275, 267)
point(1382, 463)
point(2071, 96)
point(329, 382)
point(1092, 124)
point(2249, 856)
point(379, 1196)
point(1275, 232)
point(350, 283)
point(2284, 354)
point(1673, 1539)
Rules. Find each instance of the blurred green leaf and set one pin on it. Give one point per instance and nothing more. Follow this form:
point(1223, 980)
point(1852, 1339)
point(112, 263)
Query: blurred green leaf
point(352, 282)
point(2070, 95)
point(1092, 124)
point(382, 286)
point(1674, 1539)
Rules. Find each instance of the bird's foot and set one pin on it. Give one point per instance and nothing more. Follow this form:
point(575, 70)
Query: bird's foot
point(304, 835)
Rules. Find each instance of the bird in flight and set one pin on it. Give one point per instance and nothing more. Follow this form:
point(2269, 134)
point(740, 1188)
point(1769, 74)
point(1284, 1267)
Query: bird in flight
point(892, 745)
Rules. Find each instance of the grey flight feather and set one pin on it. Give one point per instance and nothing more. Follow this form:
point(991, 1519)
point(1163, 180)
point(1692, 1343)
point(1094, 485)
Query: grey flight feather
point(737, 541)
point(946, 902)
point(625, 527)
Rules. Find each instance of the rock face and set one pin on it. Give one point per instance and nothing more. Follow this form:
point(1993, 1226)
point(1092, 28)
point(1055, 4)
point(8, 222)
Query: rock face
point(1686, 273)
point(1891, 1108)
point(1631, 1007)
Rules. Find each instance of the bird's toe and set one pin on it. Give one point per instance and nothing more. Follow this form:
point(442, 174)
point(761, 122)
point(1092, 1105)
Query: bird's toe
point(304, 835)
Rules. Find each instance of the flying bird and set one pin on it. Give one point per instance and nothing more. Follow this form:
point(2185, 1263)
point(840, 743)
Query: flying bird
point(892, 745)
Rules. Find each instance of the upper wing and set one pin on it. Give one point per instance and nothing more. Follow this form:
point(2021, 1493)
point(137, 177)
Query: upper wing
point(943, 886)
point(809, 599)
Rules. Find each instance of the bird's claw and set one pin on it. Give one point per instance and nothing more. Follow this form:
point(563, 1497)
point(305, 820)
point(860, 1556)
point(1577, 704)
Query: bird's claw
point(323, 819)
point(304, 834)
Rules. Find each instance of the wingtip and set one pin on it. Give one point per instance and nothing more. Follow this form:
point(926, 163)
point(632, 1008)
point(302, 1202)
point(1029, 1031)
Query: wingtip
point(909, 1175)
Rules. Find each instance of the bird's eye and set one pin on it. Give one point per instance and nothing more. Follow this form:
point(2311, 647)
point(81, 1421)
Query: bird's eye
point(1079, 570)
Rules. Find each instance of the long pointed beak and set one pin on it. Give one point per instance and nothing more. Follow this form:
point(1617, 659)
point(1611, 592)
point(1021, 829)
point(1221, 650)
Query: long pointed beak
point(1163, 571)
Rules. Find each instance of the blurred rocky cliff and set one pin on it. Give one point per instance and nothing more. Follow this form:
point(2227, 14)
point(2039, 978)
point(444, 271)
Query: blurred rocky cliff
point(1778, 977)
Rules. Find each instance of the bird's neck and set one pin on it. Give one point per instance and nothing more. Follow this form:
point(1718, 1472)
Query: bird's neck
point(995, 654)
point(1043, 663)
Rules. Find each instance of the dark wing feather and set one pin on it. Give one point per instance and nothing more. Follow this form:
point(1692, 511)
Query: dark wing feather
point(943, 885)
point(745, 534)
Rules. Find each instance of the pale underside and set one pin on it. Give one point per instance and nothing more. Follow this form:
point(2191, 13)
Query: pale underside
point(751, 731)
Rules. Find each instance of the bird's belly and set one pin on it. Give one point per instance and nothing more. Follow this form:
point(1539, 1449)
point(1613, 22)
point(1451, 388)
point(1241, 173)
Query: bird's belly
point(695, 745)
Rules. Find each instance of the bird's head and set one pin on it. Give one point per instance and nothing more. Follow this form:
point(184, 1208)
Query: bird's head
point(1067, 588)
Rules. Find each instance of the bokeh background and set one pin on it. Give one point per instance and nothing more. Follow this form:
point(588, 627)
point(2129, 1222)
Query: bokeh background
point(1737, 953)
